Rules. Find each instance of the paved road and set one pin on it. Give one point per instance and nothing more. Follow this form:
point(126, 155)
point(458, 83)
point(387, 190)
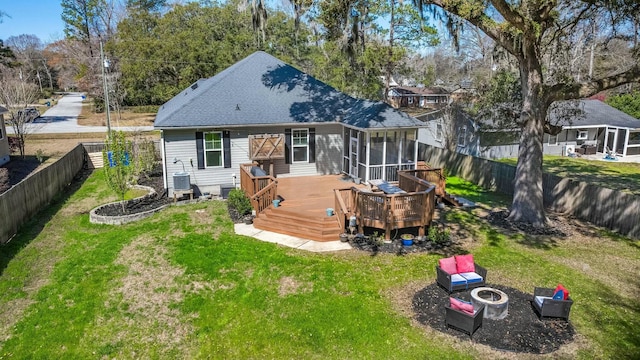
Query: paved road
point(63, 118)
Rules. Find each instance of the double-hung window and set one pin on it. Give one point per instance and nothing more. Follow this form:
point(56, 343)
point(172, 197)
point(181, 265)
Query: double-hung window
point(213, 149)
point(582, 135)
point(300, 145)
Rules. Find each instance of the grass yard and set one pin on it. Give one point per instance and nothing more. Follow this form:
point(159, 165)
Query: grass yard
point(609, 174)
point(182, 285)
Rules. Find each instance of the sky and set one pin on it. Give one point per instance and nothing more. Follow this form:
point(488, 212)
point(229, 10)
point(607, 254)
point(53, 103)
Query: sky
point(38, 17)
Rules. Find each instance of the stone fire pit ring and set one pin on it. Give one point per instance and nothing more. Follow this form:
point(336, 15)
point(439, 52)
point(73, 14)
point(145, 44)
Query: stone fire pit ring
point(496, 302)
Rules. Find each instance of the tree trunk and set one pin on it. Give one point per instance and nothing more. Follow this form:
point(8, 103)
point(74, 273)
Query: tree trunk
point(528, 204)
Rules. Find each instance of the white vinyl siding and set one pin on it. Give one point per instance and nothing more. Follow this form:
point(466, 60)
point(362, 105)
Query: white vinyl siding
point(181, 144)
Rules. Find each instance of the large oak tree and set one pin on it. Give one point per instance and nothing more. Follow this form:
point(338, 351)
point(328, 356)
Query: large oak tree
point(536, 34)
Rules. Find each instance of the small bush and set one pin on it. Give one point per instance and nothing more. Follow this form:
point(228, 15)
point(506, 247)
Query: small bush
point(437, 235)
point(239, 201)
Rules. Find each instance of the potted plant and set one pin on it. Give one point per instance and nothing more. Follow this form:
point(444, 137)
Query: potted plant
point(344, 237)
point(407, 239)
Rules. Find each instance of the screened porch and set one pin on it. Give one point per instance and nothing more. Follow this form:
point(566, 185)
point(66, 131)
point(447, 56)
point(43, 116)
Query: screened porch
point(378, 154)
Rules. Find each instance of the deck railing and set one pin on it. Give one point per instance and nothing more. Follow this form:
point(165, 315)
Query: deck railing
point(433, 176)
point(261, 190)
point(389, 211)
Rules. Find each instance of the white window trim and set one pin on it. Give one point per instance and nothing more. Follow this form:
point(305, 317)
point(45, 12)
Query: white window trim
point(293, 146)
point(582, 135)
point(204, 146)
point(410, 100)
point(463, 132)
point(439, 132)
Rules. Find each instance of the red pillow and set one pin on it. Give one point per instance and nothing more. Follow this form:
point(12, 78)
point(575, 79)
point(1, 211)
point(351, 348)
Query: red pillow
point(448, 265)
point(464, 263)
point(560, 287)
point(458, 304)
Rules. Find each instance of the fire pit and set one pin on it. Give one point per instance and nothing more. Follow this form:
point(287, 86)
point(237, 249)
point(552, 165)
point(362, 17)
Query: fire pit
point(496, 302)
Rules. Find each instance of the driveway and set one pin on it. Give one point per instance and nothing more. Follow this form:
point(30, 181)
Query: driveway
point(63, 118)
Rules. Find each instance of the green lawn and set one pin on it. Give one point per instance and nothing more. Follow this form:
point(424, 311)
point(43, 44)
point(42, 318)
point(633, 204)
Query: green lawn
point(182, 285)
point(614, 175)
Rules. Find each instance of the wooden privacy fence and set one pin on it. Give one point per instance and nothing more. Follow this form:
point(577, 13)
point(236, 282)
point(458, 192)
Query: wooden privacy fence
point(614, 210)
point(31, 195)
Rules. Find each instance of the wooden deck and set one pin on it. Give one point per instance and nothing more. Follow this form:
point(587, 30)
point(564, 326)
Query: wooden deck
point(302, 212)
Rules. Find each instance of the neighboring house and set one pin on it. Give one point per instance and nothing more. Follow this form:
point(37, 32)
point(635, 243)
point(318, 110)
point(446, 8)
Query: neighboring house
point(602, 126)
point(418, 97)
point(595, 127)
point(449, 129)
point(5, 152)
point(212, 128)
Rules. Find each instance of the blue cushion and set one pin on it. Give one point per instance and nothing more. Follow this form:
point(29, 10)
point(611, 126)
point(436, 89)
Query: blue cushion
point(471, 277)
point(559, 295)
point(457, 279)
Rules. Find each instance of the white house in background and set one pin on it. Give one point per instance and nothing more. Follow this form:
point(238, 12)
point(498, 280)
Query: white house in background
point(5, 152)
point(212, 127)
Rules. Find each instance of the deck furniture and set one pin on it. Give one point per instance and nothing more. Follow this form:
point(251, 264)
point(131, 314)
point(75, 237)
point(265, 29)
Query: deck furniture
point(547, 307)
point(460, 273)
point(463, 321)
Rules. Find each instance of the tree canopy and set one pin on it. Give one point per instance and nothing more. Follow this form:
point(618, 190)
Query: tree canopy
point(539, 36)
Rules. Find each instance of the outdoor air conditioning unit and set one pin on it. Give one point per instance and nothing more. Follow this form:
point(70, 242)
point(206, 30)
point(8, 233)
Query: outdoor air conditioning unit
point(181, 181)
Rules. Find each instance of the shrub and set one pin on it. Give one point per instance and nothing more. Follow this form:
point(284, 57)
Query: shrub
point(239, 201)
point(438, 235)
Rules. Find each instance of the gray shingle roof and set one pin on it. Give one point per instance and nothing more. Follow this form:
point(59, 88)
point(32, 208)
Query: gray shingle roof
point(598, 113)
point(262, 90)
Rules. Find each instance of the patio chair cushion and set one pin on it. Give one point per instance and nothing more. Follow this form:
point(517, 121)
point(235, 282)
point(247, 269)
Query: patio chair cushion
point(461, 305)
point(565, 292)
point(457, 279)
point(464, 263)
point(540, 299)
point(448, 265)
point(471, 277)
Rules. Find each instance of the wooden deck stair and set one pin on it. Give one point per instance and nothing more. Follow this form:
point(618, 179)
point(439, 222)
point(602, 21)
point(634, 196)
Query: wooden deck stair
point(293, 218)
point(451, 199)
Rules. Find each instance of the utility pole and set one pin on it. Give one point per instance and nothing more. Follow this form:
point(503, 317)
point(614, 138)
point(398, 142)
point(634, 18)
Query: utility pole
point(103, 65)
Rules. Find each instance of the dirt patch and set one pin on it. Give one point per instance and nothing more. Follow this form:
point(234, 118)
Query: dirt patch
point(123, 118)
point(289, 286)
point(148, 292)
point(17, 170)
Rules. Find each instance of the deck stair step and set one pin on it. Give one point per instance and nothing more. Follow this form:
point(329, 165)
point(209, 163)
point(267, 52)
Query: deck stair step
point(293, 219)
point(451, 199)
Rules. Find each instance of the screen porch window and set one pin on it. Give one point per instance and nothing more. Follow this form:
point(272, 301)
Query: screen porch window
point(300, 145)
point(462, 136)
point(213, 149)
point(552, 140)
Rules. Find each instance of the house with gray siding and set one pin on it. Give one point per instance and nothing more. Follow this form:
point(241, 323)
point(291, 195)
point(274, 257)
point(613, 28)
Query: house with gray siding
point(590, 126)
point(212, 127)
point(5, 152)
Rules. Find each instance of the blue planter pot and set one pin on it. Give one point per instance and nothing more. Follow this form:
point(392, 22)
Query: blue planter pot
point(407, 242)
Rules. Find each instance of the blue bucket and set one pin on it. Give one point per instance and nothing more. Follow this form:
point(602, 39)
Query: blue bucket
point(276, 203)
point(329, 212)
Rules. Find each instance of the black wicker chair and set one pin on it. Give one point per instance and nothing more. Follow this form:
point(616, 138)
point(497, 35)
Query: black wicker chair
point(444, 279)
point(463, 321)
point(547, 307)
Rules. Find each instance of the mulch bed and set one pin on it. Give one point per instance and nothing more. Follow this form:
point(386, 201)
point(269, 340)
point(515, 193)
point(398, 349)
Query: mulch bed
point(521, 331)
point(153, 180)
